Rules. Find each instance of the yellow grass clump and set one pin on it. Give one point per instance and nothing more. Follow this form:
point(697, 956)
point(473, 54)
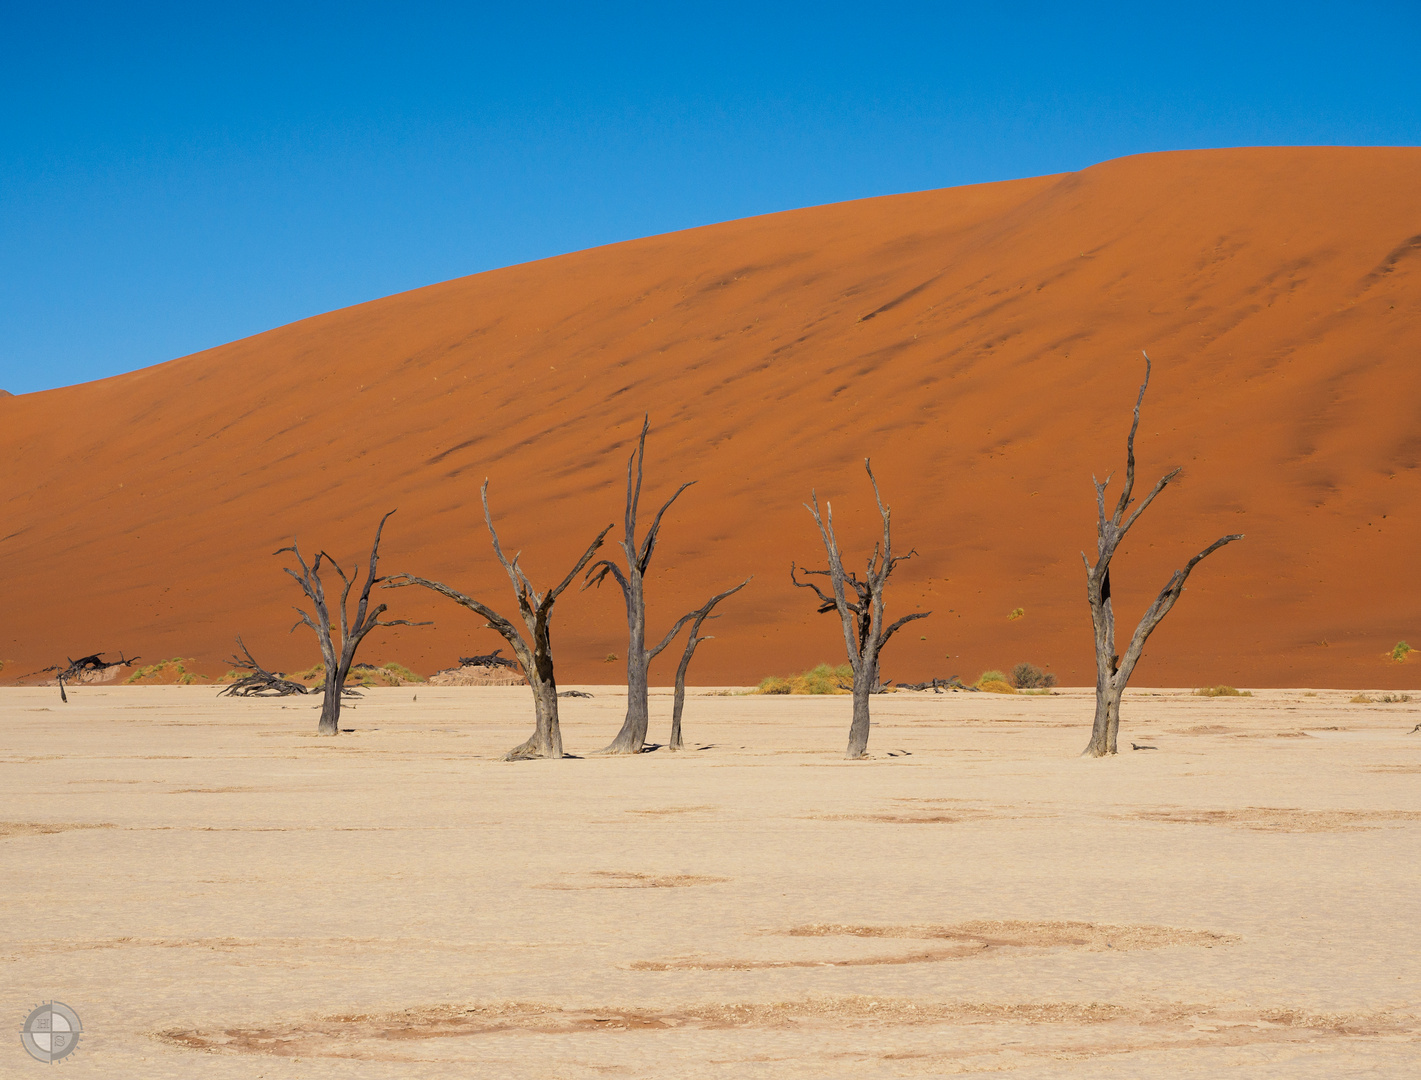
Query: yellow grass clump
point(167, 671)
point(1221, 691)
point(389, 674)
point(822, 679)
point(994, 682)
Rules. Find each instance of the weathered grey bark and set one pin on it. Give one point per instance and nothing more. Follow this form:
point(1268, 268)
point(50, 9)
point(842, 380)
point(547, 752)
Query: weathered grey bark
point(862, 617)
point(701, 614)
point(260, 683)
point(632, 737)
point(1112, 671)
point(351, 635)
point(535, 652)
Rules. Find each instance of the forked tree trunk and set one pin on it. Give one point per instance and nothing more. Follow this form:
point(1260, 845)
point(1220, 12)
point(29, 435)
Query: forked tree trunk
point(337, 665)
point(1112, 671)
point(546, 740)
point(632, 737)
point(535, 652)
point(862, 618)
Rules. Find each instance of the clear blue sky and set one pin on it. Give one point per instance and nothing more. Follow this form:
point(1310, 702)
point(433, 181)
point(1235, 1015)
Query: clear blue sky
point(174, 177)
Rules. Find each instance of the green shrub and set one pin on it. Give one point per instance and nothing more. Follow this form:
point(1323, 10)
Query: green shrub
point(1399, 652)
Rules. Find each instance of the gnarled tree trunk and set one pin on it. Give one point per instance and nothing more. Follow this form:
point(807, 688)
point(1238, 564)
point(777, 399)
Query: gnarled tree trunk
point(1112, 671)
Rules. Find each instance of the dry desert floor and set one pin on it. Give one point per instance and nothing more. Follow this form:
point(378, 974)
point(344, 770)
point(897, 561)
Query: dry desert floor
point(218, 892)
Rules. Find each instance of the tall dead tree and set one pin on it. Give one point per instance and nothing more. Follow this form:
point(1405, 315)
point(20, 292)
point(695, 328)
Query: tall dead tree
point(700, 615)
point(863, 615)
point(1113, 671)
point(632, 737)
point(535, 652)
point(337, 664)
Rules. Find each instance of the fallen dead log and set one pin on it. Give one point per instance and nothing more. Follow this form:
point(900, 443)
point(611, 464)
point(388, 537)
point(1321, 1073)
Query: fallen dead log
point(260, 683)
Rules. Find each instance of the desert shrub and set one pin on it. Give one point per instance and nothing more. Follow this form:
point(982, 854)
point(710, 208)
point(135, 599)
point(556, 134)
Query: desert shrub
point(1030, 677)
point(1383, 699)
point(994, 682)
point(1221, 691)
point(1016, 613)
point(821, 679)
point(164, 670)
point(1399, 652)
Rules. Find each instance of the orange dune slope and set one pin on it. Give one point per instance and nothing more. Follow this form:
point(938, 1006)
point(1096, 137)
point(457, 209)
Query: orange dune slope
point(981, 344)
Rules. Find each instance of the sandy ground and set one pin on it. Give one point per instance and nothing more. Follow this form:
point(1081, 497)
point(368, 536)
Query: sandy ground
point(218, 892)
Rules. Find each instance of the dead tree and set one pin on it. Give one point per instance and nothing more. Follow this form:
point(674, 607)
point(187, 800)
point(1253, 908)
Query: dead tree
point(351, 635)
point(1113, 671)
point(93, 664)
point(700, 615)
point(863, 615)
point(632, 738)
point(535, 653)
point(260, 683)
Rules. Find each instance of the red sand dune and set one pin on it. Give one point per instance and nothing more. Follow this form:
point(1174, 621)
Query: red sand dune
point(982, 344)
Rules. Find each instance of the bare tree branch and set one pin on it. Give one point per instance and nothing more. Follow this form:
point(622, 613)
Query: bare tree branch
point(534, 652)
point(1112, 670)
point(862, 618)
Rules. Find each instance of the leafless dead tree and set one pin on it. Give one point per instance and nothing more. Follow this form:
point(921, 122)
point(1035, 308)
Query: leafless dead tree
point(632, 737)
point(351, 635)
point(863, 616)
point(260, 683)
point(94, 664)
point(535, 653)
point(1112, 671)
point(701, 614)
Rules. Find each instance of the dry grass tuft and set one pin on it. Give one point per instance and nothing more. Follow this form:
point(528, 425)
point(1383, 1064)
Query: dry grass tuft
point(1222, 691)
point(821, 679)
point(167, 671)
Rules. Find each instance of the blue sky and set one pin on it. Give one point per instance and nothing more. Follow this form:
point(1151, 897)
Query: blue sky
point(175, 177)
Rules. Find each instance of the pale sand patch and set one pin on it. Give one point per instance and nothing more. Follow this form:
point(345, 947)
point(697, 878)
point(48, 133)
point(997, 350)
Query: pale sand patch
point(399, 902)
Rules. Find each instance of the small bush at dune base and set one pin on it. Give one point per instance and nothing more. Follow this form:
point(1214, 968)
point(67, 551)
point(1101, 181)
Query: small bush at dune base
point(994, 682)
point(822, 679)
point(1399, 653)
point(1030, 677)
point(1383, 699)
point(1222, 691)
point(174, 670)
